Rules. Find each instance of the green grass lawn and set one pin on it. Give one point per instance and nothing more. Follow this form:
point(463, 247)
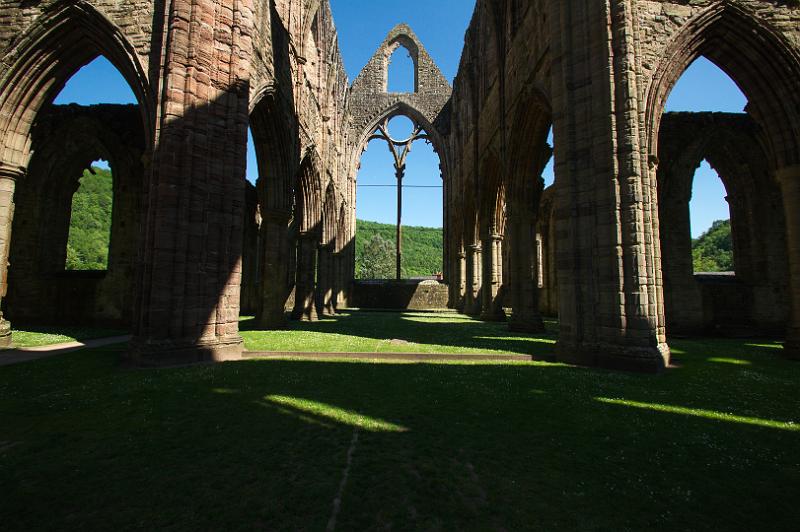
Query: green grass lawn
point(257, 444)
point(35, 336)
point(393, 332)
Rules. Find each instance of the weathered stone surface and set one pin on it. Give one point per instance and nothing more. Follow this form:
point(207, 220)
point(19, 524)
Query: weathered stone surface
point(400, 295)
point(600, 73)
point(588, 249)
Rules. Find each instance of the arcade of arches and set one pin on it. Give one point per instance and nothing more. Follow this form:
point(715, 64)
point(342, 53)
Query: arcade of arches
point(606, 249)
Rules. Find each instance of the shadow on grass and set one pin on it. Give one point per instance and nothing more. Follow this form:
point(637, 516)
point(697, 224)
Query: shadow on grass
point(446, 329)
point(37, 335)
point(262, 445)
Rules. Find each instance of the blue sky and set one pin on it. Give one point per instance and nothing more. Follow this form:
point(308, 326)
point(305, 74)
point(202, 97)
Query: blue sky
point(362, 26)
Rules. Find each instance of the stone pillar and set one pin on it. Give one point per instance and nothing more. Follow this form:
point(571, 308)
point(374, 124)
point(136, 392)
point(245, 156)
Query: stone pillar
point(491, 306)
point(305, 308)
point(8, 180)
point(682, 298)
point(189, 274)
point(472, 302)
point(336, 296)
point(789, 179)
point(524, 270)
point(611, 306)
point(346, 270)
point(461, 281)
point(273, 289)
point(325, 281)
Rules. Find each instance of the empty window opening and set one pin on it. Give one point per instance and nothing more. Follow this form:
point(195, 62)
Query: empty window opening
point(539, 261)
point(401, 127)
point(252, 160)
point(376, 209)
point(712, 242)
point(90, 220)
point(402, 72)
point(704, 87)
point(549, 174)
point(97, 82)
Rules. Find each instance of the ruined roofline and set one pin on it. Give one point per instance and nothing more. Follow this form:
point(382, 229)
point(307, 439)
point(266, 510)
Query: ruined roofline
point(373, 76)
point(463, 61)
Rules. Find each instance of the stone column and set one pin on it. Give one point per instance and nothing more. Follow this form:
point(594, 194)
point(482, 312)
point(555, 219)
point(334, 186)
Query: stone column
point(789, 179)
point(8, 180)
point(346, 269)
point(305, 308)
point(469, 281)
point(336, 297)
point(461, 282)
point(273, 289)
point(472, 301)
point(682, 298)
point(525, 315)
point(611, 306)
point(189, 274)
point(325, 281)
point(491, 306)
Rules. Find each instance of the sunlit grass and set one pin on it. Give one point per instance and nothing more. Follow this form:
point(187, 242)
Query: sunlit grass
point(734, 361)
point(335, 414)
point(412, 332)
point(86, 444)
point(40, 335)
point(709, 414)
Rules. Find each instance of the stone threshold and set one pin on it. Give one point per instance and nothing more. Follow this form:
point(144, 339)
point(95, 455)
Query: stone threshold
point(398, 357)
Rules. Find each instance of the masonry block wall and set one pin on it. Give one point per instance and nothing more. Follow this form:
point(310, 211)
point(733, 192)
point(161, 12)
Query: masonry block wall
point(601, 73)
point(598, 73)
point(66, 140)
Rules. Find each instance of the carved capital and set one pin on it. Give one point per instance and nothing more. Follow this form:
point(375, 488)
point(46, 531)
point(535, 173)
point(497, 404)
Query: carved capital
point(12, 172)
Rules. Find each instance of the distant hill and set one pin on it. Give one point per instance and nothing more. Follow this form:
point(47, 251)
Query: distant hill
point(422, 250)
point(713, 251)
point(90, 223)
point(90, 230)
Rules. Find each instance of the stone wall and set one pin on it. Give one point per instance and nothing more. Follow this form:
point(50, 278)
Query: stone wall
point(600, 73)
point(734, 146)
point(66, 140)
point(754, 300)
point(400, 295)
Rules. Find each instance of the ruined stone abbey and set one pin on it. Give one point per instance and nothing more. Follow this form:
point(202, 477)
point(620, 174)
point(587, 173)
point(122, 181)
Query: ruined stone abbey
point(606, 249)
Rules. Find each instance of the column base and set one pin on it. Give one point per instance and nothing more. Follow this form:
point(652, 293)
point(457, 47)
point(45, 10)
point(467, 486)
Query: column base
point(5, 334)
point(472, 311)
point(144, 353)
point(615, 357)
point(522, 324)
point(493, 315)
point(308, 315)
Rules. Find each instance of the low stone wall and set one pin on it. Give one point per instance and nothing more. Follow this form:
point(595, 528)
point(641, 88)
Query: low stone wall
point(400, 295)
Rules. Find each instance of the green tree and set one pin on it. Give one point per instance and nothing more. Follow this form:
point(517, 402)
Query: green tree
point(422, 247)
point(377, 261)
point(90, 222)
point(713, 251)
